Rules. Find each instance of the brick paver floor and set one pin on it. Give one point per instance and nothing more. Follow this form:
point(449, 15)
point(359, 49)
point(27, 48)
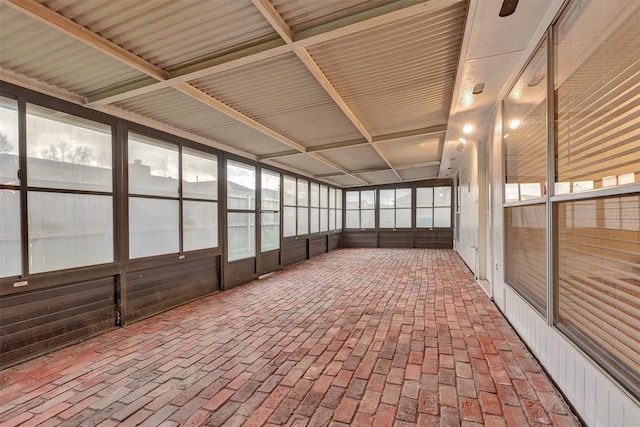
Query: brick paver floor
point(383, 337)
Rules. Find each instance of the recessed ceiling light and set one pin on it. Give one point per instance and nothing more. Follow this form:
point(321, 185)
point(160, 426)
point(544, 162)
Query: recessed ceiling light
point(477, 89)
point(515, 124)
point(462, 140)
point(467, 129)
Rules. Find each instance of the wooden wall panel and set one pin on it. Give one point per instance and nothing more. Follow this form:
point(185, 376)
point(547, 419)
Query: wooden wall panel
point(295, 251)
point(36, 322)
point(269, 261)
point(335, 241)
point(434, 239)
point(360, 239)
point(154, 290)
point(395, 239)
point(318, 246)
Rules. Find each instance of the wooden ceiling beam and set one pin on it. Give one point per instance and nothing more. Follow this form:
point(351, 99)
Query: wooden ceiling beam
point(273, 17)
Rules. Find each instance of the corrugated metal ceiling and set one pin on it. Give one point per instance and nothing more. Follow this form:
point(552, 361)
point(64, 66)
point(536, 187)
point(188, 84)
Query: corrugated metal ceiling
point(378, 67)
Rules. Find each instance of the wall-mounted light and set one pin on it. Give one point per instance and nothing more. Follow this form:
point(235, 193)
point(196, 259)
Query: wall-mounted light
point(467, 129)
point(515, 124)
point(477, 89)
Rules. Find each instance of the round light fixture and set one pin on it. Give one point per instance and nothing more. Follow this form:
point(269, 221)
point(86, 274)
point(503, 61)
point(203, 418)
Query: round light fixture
point(467, 129)
point(462, 140)
point(515, 124)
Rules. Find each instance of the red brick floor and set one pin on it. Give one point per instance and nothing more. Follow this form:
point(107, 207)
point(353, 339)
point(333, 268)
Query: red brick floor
point(383, 337)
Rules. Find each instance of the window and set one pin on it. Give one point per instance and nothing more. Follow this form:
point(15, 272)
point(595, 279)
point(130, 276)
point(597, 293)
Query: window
point(154, 204)
point(525, 253)
point(324, 208)
point(199, 195)
point(597, 97)
point(395, 208)
point(314, 202)
point(270, 212)
point(70, 199)
point(361, 209)
point(289, 215)
point(338, 209)
point(525, 131)
point(303, 209)
point(332, 208)
point(10, 254)
point(433, 207)
point(241, 205)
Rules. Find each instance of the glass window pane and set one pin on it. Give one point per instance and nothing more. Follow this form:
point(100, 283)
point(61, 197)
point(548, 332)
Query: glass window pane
point(403, 198)
point(368, 219)
point(323, 220)
point(269, 231)
point(368, 199)
point(303, 221)
point(403, 218)
point(332, 198)
point(353, 199)
point(424, 217)
point(10, 256)
point(66, 151)
point(199, 174)
point(200, 229)
point(8, 141)
point(442, 217)
point(241, 186)
point(324, 203)
point(315, 220)
point(241, 235)
point(69, 230)
point(597, 81)
point(289, 189)
point(424, 197)
point(153, 227)
point(314, 196)
point(599, 280)
point(352, 219)
point(153, 167)
point(525, 253)
point(303, 192)
point(339, 219)
point(332, 219)
point(525, 124)
point(387, 217)
point(289, 218)
point(387, 199)
point(270, 190)
point(339, 199)
point(442, 196)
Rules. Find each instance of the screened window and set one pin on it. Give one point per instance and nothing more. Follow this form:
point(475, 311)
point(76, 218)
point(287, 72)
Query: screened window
point(324, 208)
point(154, 204)
point(199, 195)
point(339, 210)
point(289, 201)
point(395, 208)
point(360, 209)
point(241, 197)
point(433, 207)
point(598, 118)
point(10, 255)
point(525, 131)
point(303, 207)
point(525, 253)
point(332, 208)
point(71, 226)
point(270, 212)
point(314, 213)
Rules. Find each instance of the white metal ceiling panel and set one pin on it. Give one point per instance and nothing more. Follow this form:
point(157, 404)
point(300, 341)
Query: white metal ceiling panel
point(38, 51)
point(171, 33)
point(413, 150)
point(361, 157)
point(399, 76)
point(302, 15)
point(415, 174)
point(380, 177)
point(281, 94)
point(244, 138)
point(305, 163)
point(344, 181)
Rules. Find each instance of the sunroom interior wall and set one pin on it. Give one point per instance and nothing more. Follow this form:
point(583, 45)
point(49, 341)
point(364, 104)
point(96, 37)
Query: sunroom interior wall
point(467, 242)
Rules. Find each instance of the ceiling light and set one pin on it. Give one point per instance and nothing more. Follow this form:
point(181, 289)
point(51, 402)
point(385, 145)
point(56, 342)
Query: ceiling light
point(508, 7)
point(462, 140)
point(535, 81)
point(467, 129)
point(477, 89)
point(515, 124)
